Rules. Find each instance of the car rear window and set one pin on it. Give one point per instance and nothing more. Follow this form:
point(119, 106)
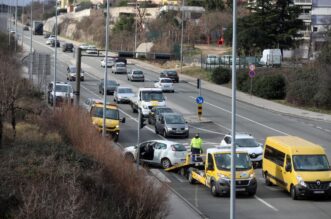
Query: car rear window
point(138, 72)
point(179, 147)
point(120, 65)
point(171, 72)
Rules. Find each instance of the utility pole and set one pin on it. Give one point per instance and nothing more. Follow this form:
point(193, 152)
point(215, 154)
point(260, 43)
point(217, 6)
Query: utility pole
point(233, 120)
point(10, 20)
point(22, 24)
point(31, 59)
point(138, 138)
point(182, 38)
point(135, 30)
point(78, 67)
point(16, 26)
point(55, 57)
point(105, 75)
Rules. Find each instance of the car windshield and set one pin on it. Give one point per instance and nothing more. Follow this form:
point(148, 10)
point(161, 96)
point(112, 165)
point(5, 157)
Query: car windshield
point(152, 95)
point(137, 72)
point(166, 81)
point(165, 110)
point(73, 69)
point(171, 72)
point(223, 161)
point(310, 163)
point(125, 91)
point(110, 113)
point(120, 65)
point(63, 88)
point(248, 142)
point(179, 147)
point(174, 119)
point(110, 82)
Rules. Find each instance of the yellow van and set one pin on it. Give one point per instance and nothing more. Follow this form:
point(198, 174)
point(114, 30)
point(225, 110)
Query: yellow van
point(297, 165)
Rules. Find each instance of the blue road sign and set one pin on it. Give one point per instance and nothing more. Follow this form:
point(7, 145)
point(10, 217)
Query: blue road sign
point(199, 100)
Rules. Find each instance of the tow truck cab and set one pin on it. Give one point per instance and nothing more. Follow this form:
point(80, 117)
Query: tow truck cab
point(112, 119)
point(217, 172)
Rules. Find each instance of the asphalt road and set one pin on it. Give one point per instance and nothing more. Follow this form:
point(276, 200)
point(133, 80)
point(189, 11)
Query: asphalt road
point(269, 202)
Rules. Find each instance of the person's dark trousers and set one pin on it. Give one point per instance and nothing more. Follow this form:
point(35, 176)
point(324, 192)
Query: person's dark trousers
point(195, 151)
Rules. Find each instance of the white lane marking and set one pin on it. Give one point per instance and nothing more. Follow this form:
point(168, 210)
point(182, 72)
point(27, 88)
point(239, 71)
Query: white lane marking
point(222, 126)
point(243, 117)
point(266, 203)
point(207, 130)
point(160, 175)
point(180, 179)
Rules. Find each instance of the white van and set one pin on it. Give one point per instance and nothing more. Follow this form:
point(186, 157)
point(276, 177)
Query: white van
point(271, 57)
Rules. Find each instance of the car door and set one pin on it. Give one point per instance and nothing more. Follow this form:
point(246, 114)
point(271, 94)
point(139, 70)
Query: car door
point(159, 152)
point(287, 172)
point(210, 169)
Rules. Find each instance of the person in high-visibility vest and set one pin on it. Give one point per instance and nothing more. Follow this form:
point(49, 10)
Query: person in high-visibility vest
point(196, 146)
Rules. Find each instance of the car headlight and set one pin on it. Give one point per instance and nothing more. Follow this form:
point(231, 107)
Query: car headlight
point(186, 128)
point(330, 184)
point(223, 177)
point(169, 129)
point(145, 107)
point(301, 182)
point(252, 176)
point(117, 126)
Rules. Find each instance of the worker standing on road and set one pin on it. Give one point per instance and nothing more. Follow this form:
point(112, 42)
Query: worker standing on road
point(196, 146)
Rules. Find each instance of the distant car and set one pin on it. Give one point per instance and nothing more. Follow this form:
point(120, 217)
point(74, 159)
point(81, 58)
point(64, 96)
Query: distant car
point(89, 102)
point(212, 59)
point(47, 35)
point(25, 28)
point(50, 39)
point(67, 47)
point(172, 74)
point(63, 93)
point(123, 94)
point(84, 46)
point(72, 73)
point(119, 67)
point(111, 86)
point(165, 84)
point(156, 111)
point(110, 62)
point(53, 43)
point(160, 152)
point(171, 124)
point(120, 59)
point(136, 75)
point(247, 143)
point(91, 50)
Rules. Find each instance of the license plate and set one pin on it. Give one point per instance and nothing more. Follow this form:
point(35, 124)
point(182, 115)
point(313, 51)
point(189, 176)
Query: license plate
point(178, 131)
point(318, 192)
point(240, 189)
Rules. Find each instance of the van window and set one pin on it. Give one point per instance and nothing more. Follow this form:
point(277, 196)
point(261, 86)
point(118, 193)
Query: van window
point(210, 161)
point(310, 163)
point(274, 155)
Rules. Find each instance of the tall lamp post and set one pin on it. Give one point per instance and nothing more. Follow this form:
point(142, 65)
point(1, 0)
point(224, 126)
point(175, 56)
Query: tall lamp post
point(31, 60)
point(135, 29)
point(55, 57)
point(182, 38)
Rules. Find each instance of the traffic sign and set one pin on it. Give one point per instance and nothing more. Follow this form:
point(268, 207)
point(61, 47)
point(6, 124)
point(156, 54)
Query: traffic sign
point(252, 67)
point(199, 100)
point(251, 74)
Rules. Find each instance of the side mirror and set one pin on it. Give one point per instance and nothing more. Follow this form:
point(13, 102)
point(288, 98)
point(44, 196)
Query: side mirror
point(288, 168)
point(123, 120)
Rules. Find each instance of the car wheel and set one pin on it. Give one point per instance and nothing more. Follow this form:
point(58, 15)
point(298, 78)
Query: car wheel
point(213, 189)
point(252, 193)
point(115, 138)
point(267, 180)
point(294, 194)
point(190, 178)
point(165, 133)
point(165, 163)
point(129, 157)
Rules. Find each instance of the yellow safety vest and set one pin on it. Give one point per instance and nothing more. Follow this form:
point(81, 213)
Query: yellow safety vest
point(196, 143)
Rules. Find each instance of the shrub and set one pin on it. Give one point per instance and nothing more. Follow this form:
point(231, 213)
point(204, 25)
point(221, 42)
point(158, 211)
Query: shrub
point(269, 86)
point(221, 75)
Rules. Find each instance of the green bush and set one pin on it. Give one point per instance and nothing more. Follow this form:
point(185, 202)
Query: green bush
point(269, 86)
point(243, 82)
point(221, 75)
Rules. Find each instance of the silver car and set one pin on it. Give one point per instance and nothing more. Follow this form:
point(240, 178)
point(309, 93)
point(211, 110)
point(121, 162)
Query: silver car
point(136, 75)
point(119, 67)
point(172, 124)
point(123, 94)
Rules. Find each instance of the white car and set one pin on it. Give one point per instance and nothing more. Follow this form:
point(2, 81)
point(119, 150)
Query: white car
point(123, 94)
point(247, 143)
point(63, 93)
point(165, 84)
point(91, 50)
point(89, 102)
point(110, 62)
point(84, 46)
point(50, 39)
point(161, 152)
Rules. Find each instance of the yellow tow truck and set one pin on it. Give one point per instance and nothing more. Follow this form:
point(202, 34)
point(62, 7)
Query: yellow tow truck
point(112, 119)
point(214, 171)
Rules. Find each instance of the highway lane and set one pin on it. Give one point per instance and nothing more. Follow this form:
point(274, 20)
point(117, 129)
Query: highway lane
point(270, 202)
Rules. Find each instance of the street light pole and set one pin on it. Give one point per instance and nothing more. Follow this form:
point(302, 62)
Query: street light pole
point(55, 57)
point(105, 75)
point(233, 120)
point(9, 35)
point(16, 26)
point(181, 38)
point(135, 30)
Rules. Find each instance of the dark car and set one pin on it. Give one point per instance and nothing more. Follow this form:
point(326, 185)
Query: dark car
point(156, 111)
point(67, 47)
point(172, 74)
point(111, 86)
point(171, 124)
point(25, 28)
point(121, 59)
point(53, 43)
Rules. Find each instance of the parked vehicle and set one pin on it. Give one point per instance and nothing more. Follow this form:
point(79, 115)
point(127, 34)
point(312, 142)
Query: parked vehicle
point(84, 46)
point(67, 47)
point(136, 75)
point(271, 57)
point(91, 50)
point(171, 124)
point(119, 68)
point(63, 93)
point(161, 152)
point(165, 84)
point(26, 28)
point(111, 86)
point(296, 165)
point(246, 142)
point(72, 73)
point(110, 62)
point(156, 112)
point(212, 59)
point(123, 94)
point(172, 74)
point(146, 99)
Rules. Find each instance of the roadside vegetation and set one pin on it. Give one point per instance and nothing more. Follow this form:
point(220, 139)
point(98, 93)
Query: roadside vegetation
point(54, 164)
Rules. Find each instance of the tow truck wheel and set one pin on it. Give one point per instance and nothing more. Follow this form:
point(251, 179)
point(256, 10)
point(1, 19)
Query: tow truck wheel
point(213, 189)
point(165, 162)
point(190, 178)
point(294, 194)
